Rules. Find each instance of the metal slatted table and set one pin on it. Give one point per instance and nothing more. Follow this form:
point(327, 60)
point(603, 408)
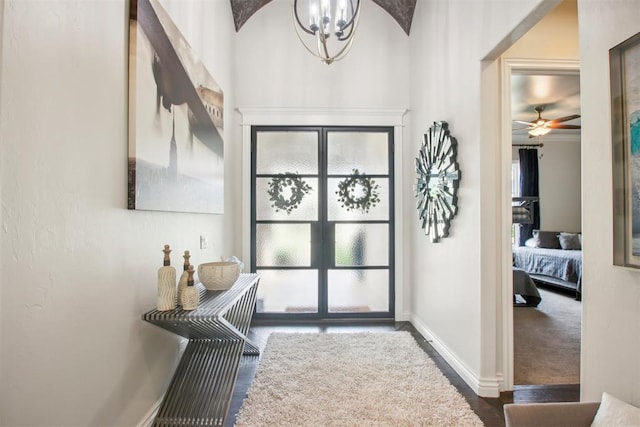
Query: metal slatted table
point(201, 388)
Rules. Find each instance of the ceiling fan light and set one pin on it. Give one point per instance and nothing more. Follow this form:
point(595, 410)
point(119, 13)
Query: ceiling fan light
point(539, 131)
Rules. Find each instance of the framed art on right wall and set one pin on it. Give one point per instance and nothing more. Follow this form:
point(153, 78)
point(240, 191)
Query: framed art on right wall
point(624, 61)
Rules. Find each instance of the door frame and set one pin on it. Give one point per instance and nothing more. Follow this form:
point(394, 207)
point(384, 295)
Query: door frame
point(323, 258)
point(332, 117)
point(509, 66)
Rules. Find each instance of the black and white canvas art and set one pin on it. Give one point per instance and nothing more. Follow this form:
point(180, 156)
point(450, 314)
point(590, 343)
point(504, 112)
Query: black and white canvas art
point(175, 119)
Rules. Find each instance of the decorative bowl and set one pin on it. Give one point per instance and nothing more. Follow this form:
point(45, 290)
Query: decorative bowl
point(218, 276)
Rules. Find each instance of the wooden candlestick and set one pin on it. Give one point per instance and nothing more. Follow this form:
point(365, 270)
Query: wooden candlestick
point(190, 294)
point(166, 283)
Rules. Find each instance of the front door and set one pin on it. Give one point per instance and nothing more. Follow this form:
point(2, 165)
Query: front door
point(322, 221)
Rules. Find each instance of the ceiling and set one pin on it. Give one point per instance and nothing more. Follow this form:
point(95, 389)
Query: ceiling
point(559, 93)
point(400, 10)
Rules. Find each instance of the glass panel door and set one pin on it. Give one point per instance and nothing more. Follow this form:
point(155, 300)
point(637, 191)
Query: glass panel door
point(322, 221)
point(285, 216)
point(359, 218)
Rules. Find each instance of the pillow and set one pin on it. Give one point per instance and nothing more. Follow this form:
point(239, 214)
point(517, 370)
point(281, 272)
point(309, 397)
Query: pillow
point(531, 243)
point(615, 413)
point(547, 239)
point(569, 241)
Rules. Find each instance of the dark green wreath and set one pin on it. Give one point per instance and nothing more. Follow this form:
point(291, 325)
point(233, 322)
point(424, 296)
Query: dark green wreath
point(347, 192)
point(298, 189)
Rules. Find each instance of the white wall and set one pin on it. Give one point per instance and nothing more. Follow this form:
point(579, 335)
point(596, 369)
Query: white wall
point(554, 37)
point(560, 186)
point(455, 281)
point(611, 295)
point(273, 69)
point(78, 268)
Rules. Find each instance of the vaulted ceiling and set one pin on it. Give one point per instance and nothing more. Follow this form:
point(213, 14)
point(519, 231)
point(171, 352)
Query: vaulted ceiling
point(400, 10)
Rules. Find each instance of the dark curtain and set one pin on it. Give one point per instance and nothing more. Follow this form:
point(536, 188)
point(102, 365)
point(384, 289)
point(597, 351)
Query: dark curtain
point(529, 188)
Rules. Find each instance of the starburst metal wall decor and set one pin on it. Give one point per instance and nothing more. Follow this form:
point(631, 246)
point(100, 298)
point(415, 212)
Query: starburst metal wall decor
point(437, 181)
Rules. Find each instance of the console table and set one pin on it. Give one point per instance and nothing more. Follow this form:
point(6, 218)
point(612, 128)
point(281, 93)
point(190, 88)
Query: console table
point(201, 388)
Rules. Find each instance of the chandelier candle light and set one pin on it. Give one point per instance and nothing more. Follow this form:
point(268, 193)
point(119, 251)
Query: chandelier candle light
point(323, 17)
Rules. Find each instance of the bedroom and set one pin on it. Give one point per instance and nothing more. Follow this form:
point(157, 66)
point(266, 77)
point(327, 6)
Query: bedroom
point(547, 312)
point(548, 276)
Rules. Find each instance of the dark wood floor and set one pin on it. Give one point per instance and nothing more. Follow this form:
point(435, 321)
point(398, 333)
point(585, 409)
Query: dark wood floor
point(489, 410)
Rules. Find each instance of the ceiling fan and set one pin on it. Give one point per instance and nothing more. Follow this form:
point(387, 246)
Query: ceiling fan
point(542, 126)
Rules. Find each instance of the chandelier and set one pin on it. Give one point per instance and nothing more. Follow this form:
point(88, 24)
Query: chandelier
point(331, 26)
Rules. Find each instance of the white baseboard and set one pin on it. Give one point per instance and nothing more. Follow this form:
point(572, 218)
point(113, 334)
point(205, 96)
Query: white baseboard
point(150, 416)
point(485, 387)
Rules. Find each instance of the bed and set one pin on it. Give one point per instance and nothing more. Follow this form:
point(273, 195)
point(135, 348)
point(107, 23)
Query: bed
point(555, 267)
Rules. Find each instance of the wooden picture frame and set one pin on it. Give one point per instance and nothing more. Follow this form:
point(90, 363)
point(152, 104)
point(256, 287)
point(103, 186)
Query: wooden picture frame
point(624, 61)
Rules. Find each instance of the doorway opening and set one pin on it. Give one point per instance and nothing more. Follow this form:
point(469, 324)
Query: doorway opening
point(546, 271)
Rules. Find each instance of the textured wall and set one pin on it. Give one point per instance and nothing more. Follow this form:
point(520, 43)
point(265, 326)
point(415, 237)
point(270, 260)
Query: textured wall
point(611, 295)
point(454, 283)
point(77, 268)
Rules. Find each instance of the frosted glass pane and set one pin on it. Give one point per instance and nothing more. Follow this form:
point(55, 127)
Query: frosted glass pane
point(378, 212)
point(366, 151)
point(362, 245)
point(287, 291)
point(280, 152)
point(284, 245)
point(307, 210)
point(356, 291)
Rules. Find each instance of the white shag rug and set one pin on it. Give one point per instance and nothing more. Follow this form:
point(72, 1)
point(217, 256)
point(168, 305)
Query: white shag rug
point(351, 379)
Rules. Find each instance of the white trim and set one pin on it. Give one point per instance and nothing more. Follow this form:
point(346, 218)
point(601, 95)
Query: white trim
point(504, 235)
point(321, 117)
point(246, 196)
point(484, 387)
point(404, 316)
point(330, 117)
point(148, 418)
point(401, 290)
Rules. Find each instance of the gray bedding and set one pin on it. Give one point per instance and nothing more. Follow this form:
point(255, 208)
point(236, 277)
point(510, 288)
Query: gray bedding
point(558, 263)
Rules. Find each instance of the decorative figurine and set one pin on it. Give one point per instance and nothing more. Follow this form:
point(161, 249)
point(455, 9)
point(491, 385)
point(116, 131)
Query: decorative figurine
point(190, 294)
point(182, 283)
point(166, 283)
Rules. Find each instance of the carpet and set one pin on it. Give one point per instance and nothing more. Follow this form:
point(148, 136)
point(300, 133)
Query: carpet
point(547, 341)
point(351, 379)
